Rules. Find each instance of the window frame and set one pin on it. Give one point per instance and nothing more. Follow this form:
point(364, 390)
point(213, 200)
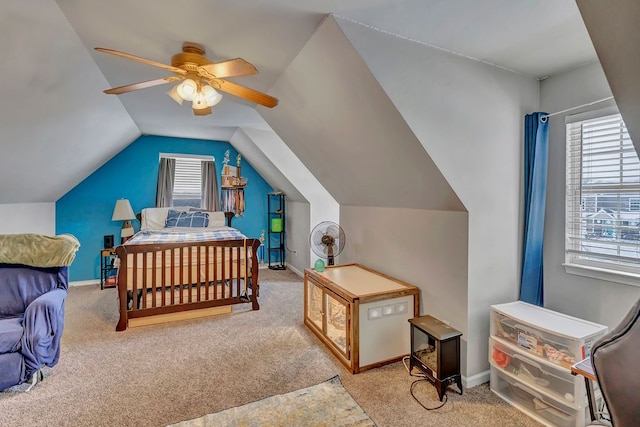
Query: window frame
point(187, 196)
point(575, 204)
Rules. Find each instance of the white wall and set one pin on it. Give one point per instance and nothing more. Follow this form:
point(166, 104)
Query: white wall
point(424, 248)
point(596, 300)
point(297, 236)
point(348, 134)
point(469, 117)
point(320, 205)
point(38, 218)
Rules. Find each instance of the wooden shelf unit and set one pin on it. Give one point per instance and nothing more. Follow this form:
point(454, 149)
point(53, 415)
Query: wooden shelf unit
point(360, 314)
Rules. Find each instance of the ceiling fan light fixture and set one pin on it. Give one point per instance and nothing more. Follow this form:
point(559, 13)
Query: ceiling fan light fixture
point(195, 74)
point(187, 90)
point(202, 112)
point(199, 101)
point(211, 96)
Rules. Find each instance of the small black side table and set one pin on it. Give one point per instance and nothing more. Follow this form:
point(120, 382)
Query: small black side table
point(107, 268)
point(435, 351)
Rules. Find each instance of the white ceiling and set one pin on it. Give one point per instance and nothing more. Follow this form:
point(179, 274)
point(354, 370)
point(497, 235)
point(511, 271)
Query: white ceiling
point(65, 127)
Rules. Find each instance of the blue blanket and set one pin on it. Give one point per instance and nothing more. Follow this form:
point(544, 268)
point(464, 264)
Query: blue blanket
point(31, 320)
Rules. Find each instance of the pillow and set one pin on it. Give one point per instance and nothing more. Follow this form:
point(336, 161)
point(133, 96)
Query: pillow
point(216, 218)
point(156, 218)
point(186, 219)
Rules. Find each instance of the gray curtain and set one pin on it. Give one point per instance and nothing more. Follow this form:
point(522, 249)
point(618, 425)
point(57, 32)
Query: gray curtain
point(209, 194)
point(166, 175)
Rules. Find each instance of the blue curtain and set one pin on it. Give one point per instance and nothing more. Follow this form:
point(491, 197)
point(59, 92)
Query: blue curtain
point(536, 153)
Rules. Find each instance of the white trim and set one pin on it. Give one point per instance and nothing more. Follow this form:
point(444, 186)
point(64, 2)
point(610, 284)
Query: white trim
point(477, 379)
point(188, 156)
point(85, 282)
point(603, 274)
point(295, 270)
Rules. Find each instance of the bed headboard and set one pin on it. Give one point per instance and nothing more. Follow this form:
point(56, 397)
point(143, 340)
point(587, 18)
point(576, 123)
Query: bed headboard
point(228, 217)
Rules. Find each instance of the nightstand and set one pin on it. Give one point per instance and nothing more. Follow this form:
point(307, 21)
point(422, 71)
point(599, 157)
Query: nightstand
point(108, 269)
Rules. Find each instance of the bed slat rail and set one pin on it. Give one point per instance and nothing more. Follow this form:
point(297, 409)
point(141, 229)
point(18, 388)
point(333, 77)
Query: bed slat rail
point(167, 278)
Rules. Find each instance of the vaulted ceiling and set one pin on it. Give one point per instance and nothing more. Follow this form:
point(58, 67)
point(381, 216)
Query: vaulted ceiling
point(57, 126)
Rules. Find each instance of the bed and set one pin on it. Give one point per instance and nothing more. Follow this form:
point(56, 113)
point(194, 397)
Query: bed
point(196, 266)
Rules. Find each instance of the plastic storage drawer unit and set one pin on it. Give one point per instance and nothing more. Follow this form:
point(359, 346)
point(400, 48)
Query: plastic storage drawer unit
point(561, 339)
point(542, 376)
point(539, 407)
point(531, 350)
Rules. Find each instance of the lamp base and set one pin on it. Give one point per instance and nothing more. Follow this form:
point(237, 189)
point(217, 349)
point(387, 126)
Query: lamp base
point(127, 231)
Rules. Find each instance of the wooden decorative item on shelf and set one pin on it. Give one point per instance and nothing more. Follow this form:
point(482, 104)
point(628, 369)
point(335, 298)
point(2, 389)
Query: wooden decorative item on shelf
point(232, 184)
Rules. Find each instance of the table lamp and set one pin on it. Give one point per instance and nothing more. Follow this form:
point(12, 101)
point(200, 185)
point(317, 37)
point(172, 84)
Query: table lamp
point(123, 212)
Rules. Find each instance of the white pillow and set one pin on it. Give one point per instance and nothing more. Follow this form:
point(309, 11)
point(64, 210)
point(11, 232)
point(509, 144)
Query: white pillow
point(155, 218)
point(216, 218)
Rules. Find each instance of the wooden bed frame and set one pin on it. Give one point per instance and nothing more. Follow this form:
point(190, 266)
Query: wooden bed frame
point(185, 280)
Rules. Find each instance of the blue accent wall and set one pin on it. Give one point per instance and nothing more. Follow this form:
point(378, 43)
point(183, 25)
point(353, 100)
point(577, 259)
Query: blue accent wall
point(85, 211)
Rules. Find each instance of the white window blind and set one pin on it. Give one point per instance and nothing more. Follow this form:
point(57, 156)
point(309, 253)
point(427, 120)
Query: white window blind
point(602, 196)
point(188, 178)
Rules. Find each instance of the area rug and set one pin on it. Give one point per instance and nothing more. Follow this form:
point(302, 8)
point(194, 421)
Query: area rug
point(325, 404)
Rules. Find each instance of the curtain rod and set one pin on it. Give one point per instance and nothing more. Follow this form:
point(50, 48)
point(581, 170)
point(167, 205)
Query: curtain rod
point(544, 118)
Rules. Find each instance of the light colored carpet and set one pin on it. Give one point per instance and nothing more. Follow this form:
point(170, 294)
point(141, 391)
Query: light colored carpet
point(324, 404)
point(163, 374)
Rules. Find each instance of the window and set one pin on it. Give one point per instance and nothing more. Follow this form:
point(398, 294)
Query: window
point(187, 183)
point(602, 197)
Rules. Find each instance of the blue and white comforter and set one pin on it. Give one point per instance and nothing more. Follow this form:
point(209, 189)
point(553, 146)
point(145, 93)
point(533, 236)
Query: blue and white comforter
point(184, 234)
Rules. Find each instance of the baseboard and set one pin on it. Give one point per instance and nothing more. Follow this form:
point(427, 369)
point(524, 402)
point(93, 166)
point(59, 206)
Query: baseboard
point(84, 282)
point(181, 315)
point(295, 270)
point(477, 379)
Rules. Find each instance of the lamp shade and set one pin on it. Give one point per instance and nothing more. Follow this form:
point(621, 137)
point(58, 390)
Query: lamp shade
point(211, 96)
point(199, 101)
point(122, 211)
point(187, 89)
point(173, 93)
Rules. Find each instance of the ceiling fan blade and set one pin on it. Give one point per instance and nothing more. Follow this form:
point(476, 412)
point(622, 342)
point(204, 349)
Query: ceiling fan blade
point(142, 85)
point(143, 60)
point(230, 68)
point(245, 92)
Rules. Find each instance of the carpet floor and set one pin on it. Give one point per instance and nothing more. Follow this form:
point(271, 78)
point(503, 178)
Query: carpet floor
point(163, 374)
point(324, 404)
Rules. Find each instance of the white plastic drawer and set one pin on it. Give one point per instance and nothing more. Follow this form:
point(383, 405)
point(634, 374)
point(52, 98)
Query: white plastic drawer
point(543, 377)
point(561, 350)
point(538, 406)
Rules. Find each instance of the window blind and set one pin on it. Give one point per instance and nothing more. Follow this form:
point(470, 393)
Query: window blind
point(602, 195)
point(188, 178)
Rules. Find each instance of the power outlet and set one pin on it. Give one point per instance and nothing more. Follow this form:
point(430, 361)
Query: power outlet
point(387, 310)
point(375, 313)
point(401, 308)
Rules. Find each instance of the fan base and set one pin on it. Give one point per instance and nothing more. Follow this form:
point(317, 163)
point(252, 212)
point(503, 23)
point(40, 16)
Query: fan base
point(192, 54)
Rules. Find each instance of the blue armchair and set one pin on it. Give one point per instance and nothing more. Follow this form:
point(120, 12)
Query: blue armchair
point(31, 320)
point(34, 280)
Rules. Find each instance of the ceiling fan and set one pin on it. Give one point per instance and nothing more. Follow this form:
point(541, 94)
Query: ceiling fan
point(198, 79)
